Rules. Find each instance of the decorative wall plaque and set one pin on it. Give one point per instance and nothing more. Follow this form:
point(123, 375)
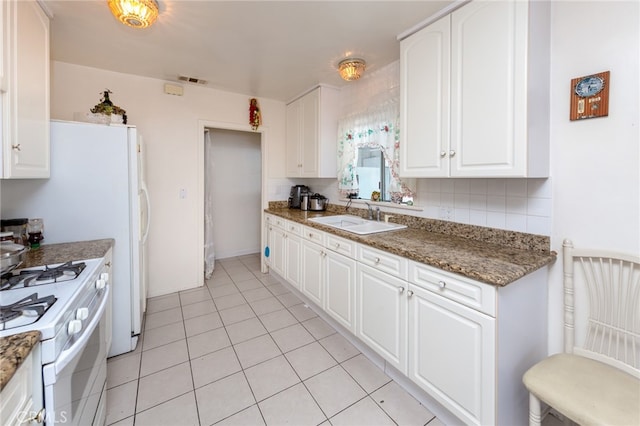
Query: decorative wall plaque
point(590, 96)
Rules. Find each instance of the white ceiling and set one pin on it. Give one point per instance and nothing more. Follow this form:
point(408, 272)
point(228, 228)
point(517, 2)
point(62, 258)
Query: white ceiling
point(270, 49)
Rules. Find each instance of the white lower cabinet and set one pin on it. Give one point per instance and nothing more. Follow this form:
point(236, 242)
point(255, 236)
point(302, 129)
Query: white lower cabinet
point(452, 355)
point(21, 399)
point(340, 289)
point(381, 307)
point(465, 343)
point(312, 272)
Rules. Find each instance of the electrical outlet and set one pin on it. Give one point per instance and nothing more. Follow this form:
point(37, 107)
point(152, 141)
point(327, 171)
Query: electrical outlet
point(446, 213)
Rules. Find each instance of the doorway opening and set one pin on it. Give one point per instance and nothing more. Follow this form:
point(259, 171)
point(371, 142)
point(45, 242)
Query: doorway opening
point(232, 192)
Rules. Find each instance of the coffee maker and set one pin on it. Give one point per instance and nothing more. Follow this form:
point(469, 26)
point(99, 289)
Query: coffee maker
point(295, 196)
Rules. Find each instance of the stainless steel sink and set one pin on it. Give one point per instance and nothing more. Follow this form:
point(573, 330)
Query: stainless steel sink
point(356, 224)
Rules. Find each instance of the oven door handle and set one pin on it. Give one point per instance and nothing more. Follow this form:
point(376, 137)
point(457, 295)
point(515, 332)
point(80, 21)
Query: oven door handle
point(70, 353)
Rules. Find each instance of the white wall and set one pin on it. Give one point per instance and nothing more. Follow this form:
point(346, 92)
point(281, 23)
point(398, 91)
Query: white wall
point(595, 163)
point(169, 125)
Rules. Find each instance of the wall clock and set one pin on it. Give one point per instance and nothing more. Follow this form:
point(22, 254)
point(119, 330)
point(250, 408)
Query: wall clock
point(590, 96)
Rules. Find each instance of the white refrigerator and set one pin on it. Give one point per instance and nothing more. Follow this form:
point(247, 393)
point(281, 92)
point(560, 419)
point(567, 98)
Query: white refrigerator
point(96, 190)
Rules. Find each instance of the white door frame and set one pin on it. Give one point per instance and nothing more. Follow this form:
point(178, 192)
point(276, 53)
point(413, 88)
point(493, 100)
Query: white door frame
point(206, 124)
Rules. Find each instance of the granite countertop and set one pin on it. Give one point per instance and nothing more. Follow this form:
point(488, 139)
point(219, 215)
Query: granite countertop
point(49, 254)
point(484, 254)
point(13, 351)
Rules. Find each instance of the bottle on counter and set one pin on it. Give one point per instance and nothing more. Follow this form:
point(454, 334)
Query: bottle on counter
point(35, 228)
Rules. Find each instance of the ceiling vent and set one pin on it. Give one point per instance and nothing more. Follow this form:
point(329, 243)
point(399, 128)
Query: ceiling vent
point(192, 80)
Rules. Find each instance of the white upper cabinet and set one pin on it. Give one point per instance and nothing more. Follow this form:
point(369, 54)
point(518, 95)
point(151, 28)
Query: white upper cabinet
point(312, 134)
point(24, 85)
point(475, 93)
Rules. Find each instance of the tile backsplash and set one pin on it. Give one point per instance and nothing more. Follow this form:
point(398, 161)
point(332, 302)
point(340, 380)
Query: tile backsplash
point(522, 205)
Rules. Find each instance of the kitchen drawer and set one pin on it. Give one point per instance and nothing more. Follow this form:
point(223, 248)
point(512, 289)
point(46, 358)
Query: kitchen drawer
point(294, 228)
point(342, 246)
point(474, 294)
point(314, 235)
point(279, 222)
point(389, 263)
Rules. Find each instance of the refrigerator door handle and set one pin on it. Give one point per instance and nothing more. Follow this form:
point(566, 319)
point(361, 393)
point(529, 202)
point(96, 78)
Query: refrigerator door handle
point(147, 225)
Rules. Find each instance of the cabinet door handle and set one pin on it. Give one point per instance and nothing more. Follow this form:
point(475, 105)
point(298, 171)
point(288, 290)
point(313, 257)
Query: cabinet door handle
point(16, 147)
point(442, 284)
point(409, 293)
point(400, 290)
point(323, 254)
point(452, 153)
point(443, 154)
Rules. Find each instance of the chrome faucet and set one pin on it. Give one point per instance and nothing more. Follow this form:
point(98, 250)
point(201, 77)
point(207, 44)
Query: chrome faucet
point(370, 211)
point(378, 214)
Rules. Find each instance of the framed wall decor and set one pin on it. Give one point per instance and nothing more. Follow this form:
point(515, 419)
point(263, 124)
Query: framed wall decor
point(590, 96)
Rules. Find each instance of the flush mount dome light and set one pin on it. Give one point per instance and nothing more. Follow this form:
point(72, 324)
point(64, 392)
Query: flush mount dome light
point(351, 68)
point(135, 13)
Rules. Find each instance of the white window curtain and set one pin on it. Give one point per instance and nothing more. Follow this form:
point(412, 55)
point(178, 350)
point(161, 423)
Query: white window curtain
point(209, 253)
point(377, 128)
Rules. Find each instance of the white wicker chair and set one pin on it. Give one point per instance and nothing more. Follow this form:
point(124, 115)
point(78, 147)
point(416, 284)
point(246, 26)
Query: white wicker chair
point(596, 381)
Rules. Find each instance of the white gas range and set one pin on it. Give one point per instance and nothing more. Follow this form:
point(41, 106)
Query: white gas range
point(70, 305)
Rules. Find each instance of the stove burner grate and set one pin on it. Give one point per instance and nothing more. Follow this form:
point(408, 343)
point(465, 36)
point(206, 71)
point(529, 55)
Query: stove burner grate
point(28, 277)
point(32, 305)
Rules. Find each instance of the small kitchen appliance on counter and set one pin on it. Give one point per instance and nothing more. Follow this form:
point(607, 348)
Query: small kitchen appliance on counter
point(318, 203)
point(295, 196)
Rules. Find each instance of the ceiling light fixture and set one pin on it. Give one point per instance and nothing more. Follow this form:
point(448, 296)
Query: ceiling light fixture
point(351, 68)
point(135, 13)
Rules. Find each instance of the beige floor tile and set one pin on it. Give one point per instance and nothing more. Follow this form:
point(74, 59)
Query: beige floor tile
point(223, 398)
point(339, 347)
point(292, 337)
point(225, 289)
point(264, 306)
point(241, 275)
point(334, 390)
point(245, 330)
point(318, 328)
point(237, 314)
point(251, 284)
point(270, 377)
point(207, 342)
point(401, 406)
point(229, 301)
point(181, 411)
point(161, 318)
point(162, 357)
point(122, 370)
point(214, 366)
point(363, 413)
point(310, 360)
point(199, 308)
point(366, 373)
point(293, 406)
point(121, 402)
point(124, 422)
point(163, 335)
point(302, 312)
point(256, 294)
point(195, 295)
point(164, 385)
point(248, 417)
point(256, 350)
point(278, 289)
point(289, 299)
point(162, 303)
point(277, 320)
point(202, 323)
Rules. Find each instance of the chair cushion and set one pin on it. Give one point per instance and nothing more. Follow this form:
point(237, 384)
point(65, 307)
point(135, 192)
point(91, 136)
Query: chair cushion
point(587, 391)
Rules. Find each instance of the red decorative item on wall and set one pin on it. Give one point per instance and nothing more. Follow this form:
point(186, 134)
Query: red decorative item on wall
point(255, 119)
